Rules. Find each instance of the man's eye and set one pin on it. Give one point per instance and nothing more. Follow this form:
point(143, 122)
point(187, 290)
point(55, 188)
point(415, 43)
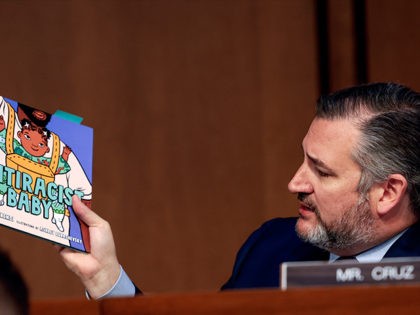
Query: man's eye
point(27, 137)
point(322, 174)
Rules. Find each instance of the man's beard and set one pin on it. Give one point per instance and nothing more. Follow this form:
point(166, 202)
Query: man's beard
point(353, 228)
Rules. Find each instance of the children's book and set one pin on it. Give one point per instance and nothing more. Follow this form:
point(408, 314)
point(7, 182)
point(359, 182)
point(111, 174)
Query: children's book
point(45, 159)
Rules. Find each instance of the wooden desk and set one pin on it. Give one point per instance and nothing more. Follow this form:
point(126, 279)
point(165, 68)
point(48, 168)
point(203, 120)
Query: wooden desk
point(65, 307)
point(343, 301)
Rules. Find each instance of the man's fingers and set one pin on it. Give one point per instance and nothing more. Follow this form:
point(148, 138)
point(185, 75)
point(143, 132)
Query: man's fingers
point(84, 213)
point(58, 248)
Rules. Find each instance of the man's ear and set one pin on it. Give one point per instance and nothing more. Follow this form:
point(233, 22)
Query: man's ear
point(389, 193)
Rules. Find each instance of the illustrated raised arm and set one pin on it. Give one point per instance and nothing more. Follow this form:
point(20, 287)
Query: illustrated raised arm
point(2, 123)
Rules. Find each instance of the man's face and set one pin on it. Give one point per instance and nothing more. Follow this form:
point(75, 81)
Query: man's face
point(332, 214)
point(33, 142)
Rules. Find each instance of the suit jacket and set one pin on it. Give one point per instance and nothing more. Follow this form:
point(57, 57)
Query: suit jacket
point(258, 261)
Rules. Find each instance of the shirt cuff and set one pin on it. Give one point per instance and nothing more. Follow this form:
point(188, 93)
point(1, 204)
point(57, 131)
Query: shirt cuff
point(123, 287)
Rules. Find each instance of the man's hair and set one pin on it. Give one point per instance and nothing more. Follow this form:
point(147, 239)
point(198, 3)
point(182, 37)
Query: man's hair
point(388, 115)
point(14, 294)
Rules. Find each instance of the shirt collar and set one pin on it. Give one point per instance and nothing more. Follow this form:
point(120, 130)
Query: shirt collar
point(375, 254)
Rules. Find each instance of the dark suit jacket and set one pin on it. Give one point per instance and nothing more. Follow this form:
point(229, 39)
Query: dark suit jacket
point(258, 261)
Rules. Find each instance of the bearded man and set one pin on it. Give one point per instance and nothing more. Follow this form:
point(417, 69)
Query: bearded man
point(358, 190)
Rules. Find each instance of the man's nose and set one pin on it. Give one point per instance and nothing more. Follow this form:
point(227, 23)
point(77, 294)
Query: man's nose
point(300, 182)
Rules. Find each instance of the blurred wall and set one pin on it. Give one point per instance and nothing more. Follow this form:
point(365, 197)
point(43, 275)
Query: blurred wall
point(198, 107)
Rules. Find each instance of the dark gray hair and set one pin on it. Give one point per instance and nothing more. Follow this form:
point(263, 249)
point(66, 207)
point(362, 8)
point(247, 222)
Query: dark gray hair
point(388, 115)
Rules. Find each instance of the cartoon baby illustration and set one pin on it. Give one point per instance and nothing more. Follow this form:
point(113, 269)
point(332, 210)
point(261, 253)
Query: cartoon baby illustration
point(33, 145)
point(56, 164)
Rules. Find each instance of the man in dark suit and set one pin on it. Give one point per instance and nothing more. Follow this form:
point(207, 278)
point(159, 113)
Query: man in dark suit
point(358, 187)
point(358, 190)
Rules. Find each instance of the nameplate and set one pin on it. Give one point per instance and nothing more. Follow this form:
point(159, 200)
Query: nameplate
point(347, 272)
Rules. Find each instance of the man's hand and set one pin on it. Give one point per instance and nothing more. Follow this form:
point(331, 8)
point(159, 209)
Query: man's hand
point(99, 269)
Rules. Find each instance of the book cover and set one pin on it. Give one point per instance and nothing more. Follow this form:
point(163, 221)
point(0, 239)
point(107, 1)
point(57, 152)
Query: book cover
point(44, 160)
